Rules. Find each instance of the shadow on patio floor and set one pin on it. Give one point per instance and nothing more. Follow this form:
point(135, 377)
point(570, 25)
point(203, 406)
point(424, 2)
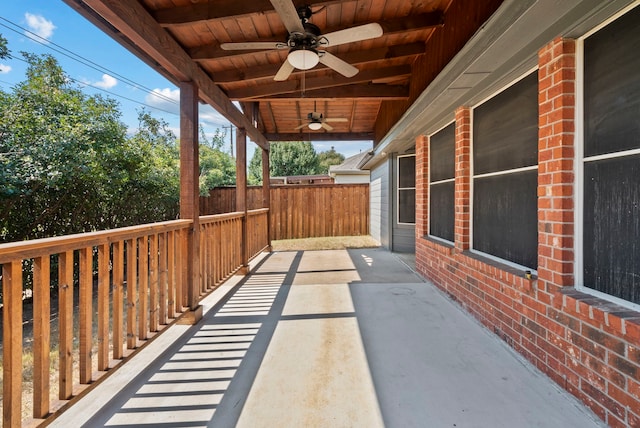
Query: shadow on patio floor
point(328, 338)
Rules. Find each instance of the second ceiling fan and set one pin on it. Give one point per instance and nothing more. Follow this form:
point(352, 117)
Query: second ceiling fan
point(307, 44)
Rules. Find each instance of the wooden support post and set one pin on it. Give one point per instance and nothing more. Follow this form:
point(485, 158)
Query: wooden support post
point(241, 195)
point(189, 195)
point(266, 193)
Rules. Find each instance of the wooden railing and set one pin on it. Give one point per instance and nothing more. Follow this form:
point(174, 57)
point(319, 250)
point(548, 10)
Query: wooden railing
point(257, 231)
point(135, 276)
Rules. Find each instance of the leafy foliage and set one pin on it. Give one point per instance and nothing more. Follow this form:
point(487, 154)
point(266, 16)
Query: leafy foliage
point(285, 159)
point(67, 166)
point(217, 168)
point(328, 158)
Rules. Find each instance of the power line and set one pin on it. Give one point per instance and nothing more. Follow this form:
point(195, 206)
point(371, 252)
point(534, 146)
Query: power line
point(81, 59)
point(104, 90)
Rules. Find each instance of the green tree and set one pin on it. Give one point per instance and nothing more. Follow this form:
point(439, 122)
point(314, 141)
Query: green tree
point(66, 165)
point(285, 158)
point(4, 49)
point(217, 168)
point(328, 158)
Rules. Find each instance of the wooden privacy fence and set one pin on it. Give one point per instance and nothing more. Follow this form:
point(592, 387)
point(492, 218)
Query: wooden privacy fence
point(139, 276)
point(304, 211)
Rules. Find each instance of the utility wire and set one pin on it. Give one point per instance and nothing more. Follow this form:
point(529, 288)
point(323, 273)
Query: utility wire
point(103, 90)
point(79, 58)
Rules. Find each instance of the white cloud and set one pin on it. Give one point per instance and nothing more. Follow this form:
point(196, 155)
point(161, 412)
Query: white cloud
point(107, 82)
point(166, 99)
point(4, 69)
point(39, 25)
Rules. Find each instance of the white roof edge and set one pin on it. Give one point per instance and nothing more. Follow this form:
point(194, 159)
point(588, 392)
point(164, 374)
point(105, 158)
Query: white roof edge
point(509, 41)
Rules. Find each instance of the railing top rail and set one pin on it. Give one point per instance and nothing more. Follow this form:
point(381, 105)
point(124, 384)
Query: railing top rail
point(220, 217)
point(40, 247)
point(258, 211)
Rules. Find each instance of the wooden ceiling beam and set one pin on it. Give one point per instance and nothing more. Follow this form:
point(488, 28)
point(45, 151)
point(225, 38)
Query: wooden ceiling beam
point(354, 58)
point(295, 85)
point(139, 28)
point(220, 9)
point(400, 25)
point(320, 136)
point(379, 92)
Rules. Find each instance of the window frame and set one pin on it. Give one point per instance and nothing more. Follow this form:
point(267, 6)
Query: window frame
point(473, 176)
point(448, 180)
point(398, 189)
point(579, 166)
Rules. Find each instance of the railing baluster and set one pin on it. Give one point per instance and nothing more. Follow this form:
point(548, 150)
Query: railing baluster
point(41, 335)
point(12, 343)
point(132, 295)
point(162, 279)
point(153, 283)
point(143, 290)
point(180, 274)
point(185, 281)
point(86, 312)
point(171, 283)
point(118, 295)
point(65, 324)
point(103, 307)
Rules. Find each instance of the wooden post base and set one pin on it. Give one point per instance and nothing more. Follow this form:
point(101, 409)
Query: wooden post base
point(244, 270)
point(191, 317)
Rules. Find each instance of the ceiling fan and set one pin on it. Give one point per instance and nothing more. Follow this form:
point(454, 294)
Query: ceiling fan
point(307, 44)
point(316, 121)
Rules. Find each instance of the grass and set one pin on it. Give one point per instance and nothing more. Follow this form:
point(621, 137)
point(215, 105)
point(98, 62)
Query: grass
point(325, 243)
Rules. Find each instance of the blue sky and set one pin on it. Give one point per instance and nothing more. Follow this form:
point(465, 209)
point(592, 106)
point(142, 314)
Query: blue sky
point(101, 65)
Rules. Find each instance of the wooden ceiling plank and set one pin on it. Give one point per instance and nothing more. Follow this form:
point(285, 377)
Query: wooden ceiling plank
point(140, 29)
point(391, 27)
point(320, 136)
point(360, 92)
point(272, 117)
point(220, 9)
point(293, 86)
point(359, 57)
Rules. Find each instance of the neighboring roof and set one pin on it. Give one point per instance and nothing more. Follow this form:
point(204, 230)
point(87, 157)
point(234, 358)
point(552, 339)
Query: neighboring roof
point(351, 165)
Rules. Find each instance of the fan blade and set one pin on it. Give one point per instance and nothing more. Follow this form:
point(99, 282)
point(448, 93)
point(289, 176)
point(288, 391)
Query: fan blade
point(336, 119)
point(342, 67)
point(301, 126)
point(354, 34)
point(240, 46)
point(285, 71)
point(289, 15)
point(327, 126)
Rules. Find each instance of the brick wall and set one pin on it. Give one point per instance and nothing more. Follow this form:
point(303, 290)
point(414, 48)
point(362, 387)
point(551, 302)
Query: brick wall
point(589, 346)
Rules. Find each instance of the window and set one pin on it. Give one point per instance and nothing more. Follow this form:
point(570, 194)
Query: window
point(442, 147)
point(611, 160)
point(407, 189)
point(505, 180)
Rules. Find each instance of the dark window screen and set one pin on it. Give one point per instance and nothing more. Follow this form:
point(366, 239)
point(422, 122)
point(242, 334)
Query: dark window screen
point(406, 171)
point(442, 214)
point(505, 217)
point(612, 87)
point(612, 227)
point(442, 154)
point(407, 206)
point(505, 129)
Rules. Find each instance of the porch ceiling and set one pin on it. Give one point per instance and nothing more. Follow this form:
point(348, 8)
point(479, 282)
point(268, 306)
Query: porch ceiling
point(182, 40)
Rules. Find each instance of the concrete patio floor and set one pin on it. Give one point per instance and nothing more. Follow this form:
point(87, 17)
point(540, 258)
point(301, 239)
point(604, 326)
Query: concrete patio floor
point(341, 338)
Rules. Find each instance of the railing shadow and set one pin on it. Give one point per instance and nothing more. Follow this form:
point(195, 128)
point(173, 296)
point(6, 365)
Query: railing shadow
point(202, 379)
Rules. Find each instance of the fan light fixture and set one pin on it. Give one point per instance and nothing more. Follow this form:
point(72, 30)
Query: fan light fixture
point(303, 59)
point(314, 126)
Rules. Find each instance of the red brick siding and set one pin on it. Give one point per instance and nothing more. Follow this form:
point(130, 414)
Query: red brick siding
point(587, 345)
